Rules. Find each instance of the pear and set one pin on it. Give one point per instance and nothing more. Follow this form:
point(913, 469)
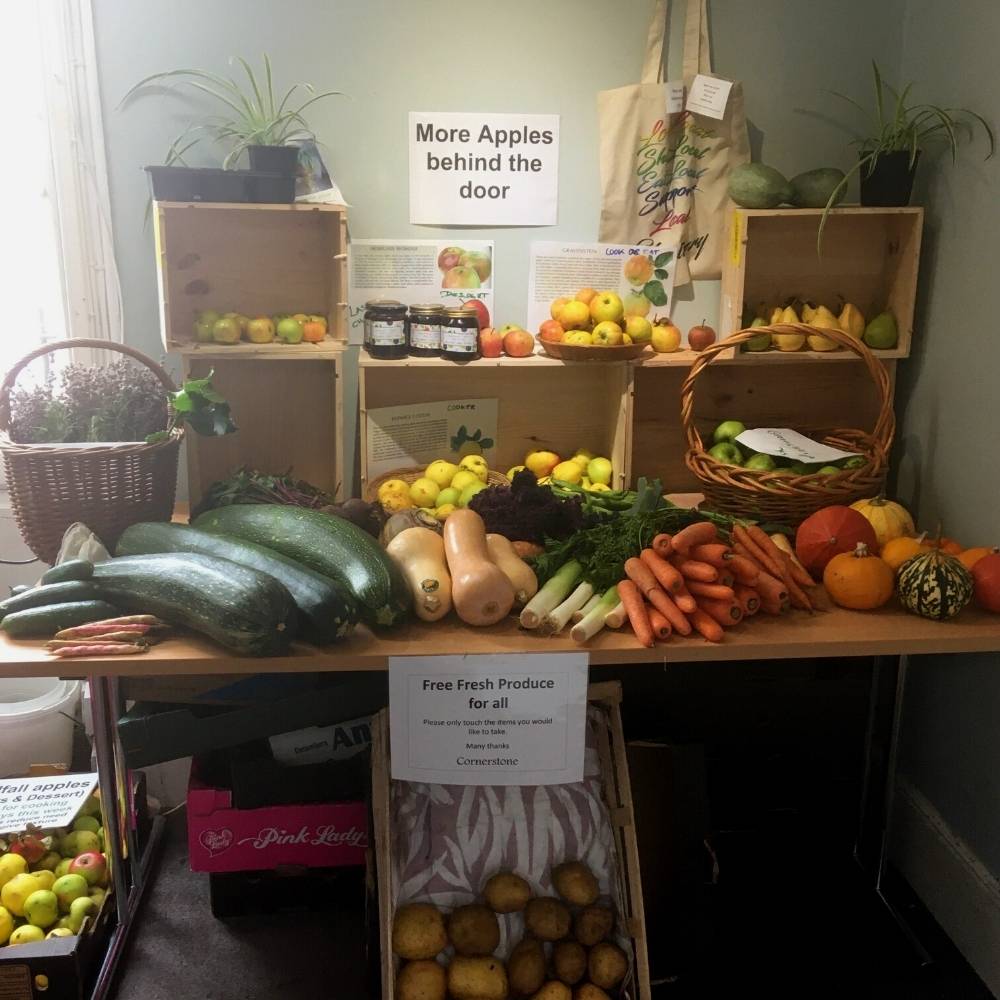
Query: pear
point(881, 333)
point(789, 315)
point(788, 341)
point(852, 320)
point(808, 312)
point(822, 319)
point(776, 315)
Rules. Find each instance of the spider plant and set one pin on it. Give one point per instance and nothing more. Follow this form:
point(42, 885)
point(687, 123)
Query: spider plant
point(900, 127)
point(251, 114)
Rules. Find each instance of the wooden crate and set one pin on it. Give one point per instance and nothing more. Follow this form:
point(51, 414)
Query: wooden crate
point(543, 403)
point(870, 256)
point(253, 259)
point(807, 396)
point(617, 798)
point(290, 414)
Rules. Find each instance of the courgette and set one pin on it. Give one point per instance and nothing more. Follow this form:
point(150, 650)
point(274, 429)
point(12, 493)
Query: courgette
point(330, 545)
point(19, 588)
point(54, 593)
point(240, 608)
point(327, 611)
point(72, 569)
point(52, 618)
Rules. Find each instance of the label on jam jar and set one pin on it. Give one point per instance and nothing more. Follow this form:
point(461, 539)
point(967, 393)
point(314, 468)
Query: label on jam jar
point(459, 340)
point(385, 333)
point(425, 336)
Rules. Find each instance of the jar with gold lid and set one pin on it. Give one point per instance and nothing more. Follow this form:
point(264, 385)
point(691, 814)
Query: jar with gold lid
point(460, 333)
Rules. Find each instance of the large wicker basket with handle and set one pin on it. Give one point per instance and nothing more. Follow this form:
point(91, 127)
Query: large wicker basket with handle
point(774, 496)
point(105, 486)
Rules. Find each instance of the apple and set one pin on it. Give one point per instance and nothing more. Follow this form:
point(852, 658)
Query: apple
point(289, 330)
point(260, 330)
point(49, 861)
point(79, 910)
point(479, 261)
point(58, 932)
point(636, 305)
point(490, 343)
point(29, 847)
point(762, 463)
point(582, 338)
point(42, 908)
point(226, 330)
point(509, 327)
point(98, 895)
point(91, 823)
point(315, 318)
point(556, 307)
point(62, 868)
point(79, 842)
point(665, 338)
point(203, 330)
point(312, 332)
point(551, 330)
point(585, 295)
point(449, 257)
point(700, 337)
point(26, 934)
point(240, 319)
point(461, 277)
point(607, 334)
point(68, 888)
point(728, 430)
point(481, 311)
point(574, 315)
point(92, 807)
point(639, 329)
point(518, 343)
point(606, 306)
point(92, 865)
point(727, 453)
point(301, 317)
point(469, 492)
point(599, 470)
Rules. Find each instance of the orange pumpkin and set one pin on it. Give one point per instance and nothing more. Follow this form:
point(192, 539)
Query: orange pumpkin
point(971, 556)
point(858, 580)
point(986, 582)
point(897, 551)
point(947, 545)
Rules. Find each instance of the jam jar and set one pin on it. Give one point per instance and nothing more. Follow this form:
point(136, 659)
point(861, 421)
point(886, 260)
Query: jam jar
point(385, 329)
point(460, 333)
point(423, 330)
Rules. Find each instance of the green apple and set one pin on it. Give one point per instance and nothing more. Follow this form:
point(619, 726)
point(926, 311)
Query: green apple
point(727, 453)
point(79, 842)
point(26, 934)
point(289, 331)
point(728, 430)
point(58, 932)
point(827, 470)
point(49, 861)
point(226, 330)
point(760, 463)
point(798, 469)
point(62, 868)
point(68, 888)
point(448, 495)
point(92, 807)
point(42, 908)
point(90, 823)
point(79, 910)
point(599, 470)
point(203, 331)
point(854, 462)
point(469, 492)
point(97, 894)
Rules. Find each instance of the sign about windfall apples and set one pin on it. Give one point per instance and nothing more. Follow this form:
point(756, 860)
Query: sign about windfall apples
point(494, 719)
point(47, 803)
point(469, 169)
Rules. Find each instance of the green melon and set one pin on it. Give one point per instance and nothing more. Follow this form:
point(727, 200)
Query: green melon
point(756, 185)
point(814, 188)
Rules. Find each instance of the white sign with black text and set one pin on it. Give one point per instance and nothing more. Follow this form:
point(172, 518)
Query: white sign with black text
point(469, 169)
point(494, 719)
point(46, 802)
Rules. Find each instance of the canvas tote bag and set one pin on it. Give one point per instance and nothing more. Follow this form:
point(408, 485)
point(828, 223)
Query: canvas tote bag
point(664, 175)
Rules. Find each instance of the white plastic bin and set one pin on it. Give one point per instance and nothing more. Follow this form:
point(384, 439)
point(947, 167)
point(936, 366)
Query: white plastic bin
point(37, 716)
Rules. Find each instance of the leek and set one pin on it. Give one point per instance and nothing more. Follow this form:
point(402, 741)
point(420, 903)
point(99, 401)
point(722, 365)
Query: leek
point(581, 613)
point(615, 618)
point(557, 619)
point(596, 619)
point(547, 599)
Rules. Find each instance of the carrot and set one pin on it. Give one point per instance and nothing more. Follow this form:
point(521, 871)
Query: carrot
point(641, 575)
point(660, 625)
point(661, 544)
point(691, 569)
point(755, 551)
point(713, 591)
point(798, 597)
point(716, 554)
point(98, 649)
point(799, 574)
point(725, 578)
point(744, 569)
point(705, 625)
point(749, 600)
point(684, 600)
point(699, 533)
point(771, 589)
point(764, 540)
point(771, 606)
point(637, 614)
point(666, 573)
point(670, 611)
point(726, 613)
point(101, 628)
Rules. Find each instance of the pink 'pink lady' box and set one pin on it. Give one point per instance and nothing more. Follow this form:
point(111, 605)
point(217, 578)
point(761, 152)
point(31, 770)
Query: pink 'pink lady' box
point(224, 839)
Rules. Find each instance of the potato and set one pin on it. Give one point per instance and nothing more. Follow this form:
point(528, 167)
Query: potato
point(553, 991)
point(575, 882)
point(418, 931)
point(526, 967)
point(606, 965)
point(474, 930)
point(477, 979)
point(421, 980)
point(569, 961)
point(592, 924)
point(547, 918)
point(506, 892)
point(588, 991)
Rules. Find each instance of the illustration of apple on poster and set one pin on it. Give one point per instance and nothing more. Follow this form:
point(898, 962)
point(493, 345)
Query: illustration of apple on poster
point(416, 272)
point(566, 282)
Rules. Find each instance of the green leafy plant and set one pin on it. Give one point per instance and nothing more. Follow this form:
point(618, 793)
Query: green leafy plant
point(199, 405)
point(901, 127)
point(251, 114)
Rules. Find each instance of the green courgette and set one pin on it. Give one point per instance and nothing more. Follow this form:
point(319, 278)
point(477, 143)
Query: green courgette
point(46, 621)
point(19, 588)
point(327, 611)
point(328, 544)
point(54, 593)
point(72, 569)
point(242, 609)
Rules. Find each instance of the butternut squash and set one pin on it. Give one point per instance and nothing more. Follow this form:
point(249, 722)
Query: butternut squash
point(480, 591)
point(521, 575)
point(419, 553)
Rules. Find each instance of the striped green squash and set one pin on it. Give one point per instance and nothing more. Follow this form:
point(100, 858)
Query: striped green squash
point(934, 584)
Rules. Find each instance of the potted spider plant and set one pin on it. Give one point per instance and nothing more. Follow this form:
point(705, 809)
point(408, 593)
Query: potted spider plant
point(252, 119)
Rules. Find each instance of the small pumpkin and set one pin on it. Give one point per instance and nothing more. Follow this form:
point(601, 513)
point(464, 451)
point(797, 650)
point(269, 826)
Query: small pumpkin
point(828, 532)
point(986, 582)
point(889, 519)
point(970, 557)
point(948, 546)
point(934, 584)
point(858, 579)
point(899, 550)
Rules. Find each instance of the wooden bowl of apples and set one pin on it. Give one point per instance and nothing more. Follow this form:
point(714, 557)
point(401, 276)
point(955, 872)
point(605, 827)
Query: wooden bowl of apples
point(593, 352)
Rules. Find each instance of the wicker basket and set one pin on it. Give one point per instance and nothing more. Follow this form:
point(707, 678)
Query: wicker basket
point(105, 486)
point(791, 499)
point(412, 475)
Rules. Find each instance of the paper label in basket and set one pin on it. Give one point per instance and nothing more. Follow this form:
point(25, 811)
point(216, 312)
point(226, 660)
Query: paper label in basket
point(494, 719)
point(47, 802)
point(784, 443)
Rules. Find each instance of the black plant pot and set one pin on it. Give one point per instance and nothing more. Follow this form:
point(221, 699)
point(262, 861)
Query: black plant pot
point(274, 159)
point(890, 182)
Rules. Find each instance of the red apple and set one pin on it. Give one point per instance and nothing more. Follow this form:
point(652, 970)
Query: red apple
point(449, 257)
point(490, 342)
point(92, 865)
point(29, 847)
point(700, 337)
point(551, 330)
point(518, 343)
point(483, 312)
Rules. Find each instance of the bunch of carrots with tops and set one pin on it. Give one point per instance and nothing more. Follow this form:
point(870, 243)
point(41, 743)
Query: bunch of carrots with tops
point(694, 582)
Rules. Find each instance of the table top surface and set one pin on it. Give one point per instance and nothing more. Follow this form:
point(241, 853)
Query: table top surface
point(835, 633)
